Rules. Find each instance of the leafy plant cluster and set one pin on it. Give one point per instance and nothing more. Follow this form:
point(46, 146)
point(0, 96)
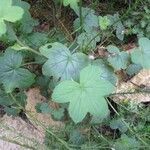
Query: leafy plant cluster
point(138, 22)
point(121, 132)
point(79, 82)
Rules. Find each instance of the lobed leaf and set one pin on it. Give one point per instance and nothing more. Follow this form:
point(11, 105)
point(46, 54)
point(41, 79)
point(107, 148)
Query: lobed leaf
point(104, 22)
point(119, 60)
point(73, 4)
point(141, 54)
point(61, 63)
point(10, 13)
point(11, 74)
point(86, 96)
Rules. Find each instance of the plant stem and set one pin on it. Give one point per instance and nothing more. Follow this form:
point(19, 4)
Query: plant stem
point(29, 48)
point(80, 15)
point(126, 123)
point(29, 63)
point(41, 124)
point(101, 136)
point(49, 131)
point(14, 99)
point(125, 14)
point(56, 18)
point(135, 92)
point(71, 34)
point(22, 44)
point(34, 51)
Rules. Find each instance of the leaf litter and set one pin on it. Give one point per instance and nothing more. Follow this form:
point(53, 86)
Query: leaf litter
point(29, 135)
point(135, 89)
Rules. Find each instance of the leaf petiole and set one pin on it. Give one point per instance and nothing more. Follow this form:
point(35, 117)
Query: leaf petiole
point(29, 48)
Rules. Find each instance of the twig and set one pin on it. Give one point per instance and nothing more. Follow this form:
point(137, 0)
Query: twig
point(80, 15)
point(17, 143)
point(135, 92)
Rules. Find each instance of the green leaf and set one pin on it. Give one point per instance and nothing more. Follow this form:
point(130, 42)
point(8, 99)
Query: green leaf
point(53, 82)
point(133, 69)
point(120, 30)
point(107, 71)
point(9, 13)
point(11, 74)
point(56, 113)
point(73, 4)
point(76, 137)
point(42, 82)
point(87, 41)
point(119, 60)
point(61, 63)
point(118, 124)
point(45, 108)
point(10, 35)
point(36, 39)
point(127, 143)
point(11, 111)
point(141, 55)
point(117, 25)
point(5, 99)
point(90, 21)
point(89, 38)
point(21, 99)
point(104, 22)
point(26, 24)
point(10, 106)
point(2, 27)
point(86, 96)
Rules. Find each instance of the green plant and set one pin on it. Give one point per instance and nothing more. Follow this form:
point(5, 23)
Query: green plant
point(141, 54)
point(138, 22)
point(15, 14)
point(83, 83)
point(12, 75)
point(62, 64)
point(80, 95)
point(73, 3)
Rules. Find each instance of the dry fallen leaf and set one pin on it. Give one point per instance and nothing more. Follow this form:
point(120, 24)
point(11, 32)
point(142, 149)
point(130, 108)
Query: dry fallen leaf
point(16, 134)
point(34, 97)
point(14, 129)
point(141, 79)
